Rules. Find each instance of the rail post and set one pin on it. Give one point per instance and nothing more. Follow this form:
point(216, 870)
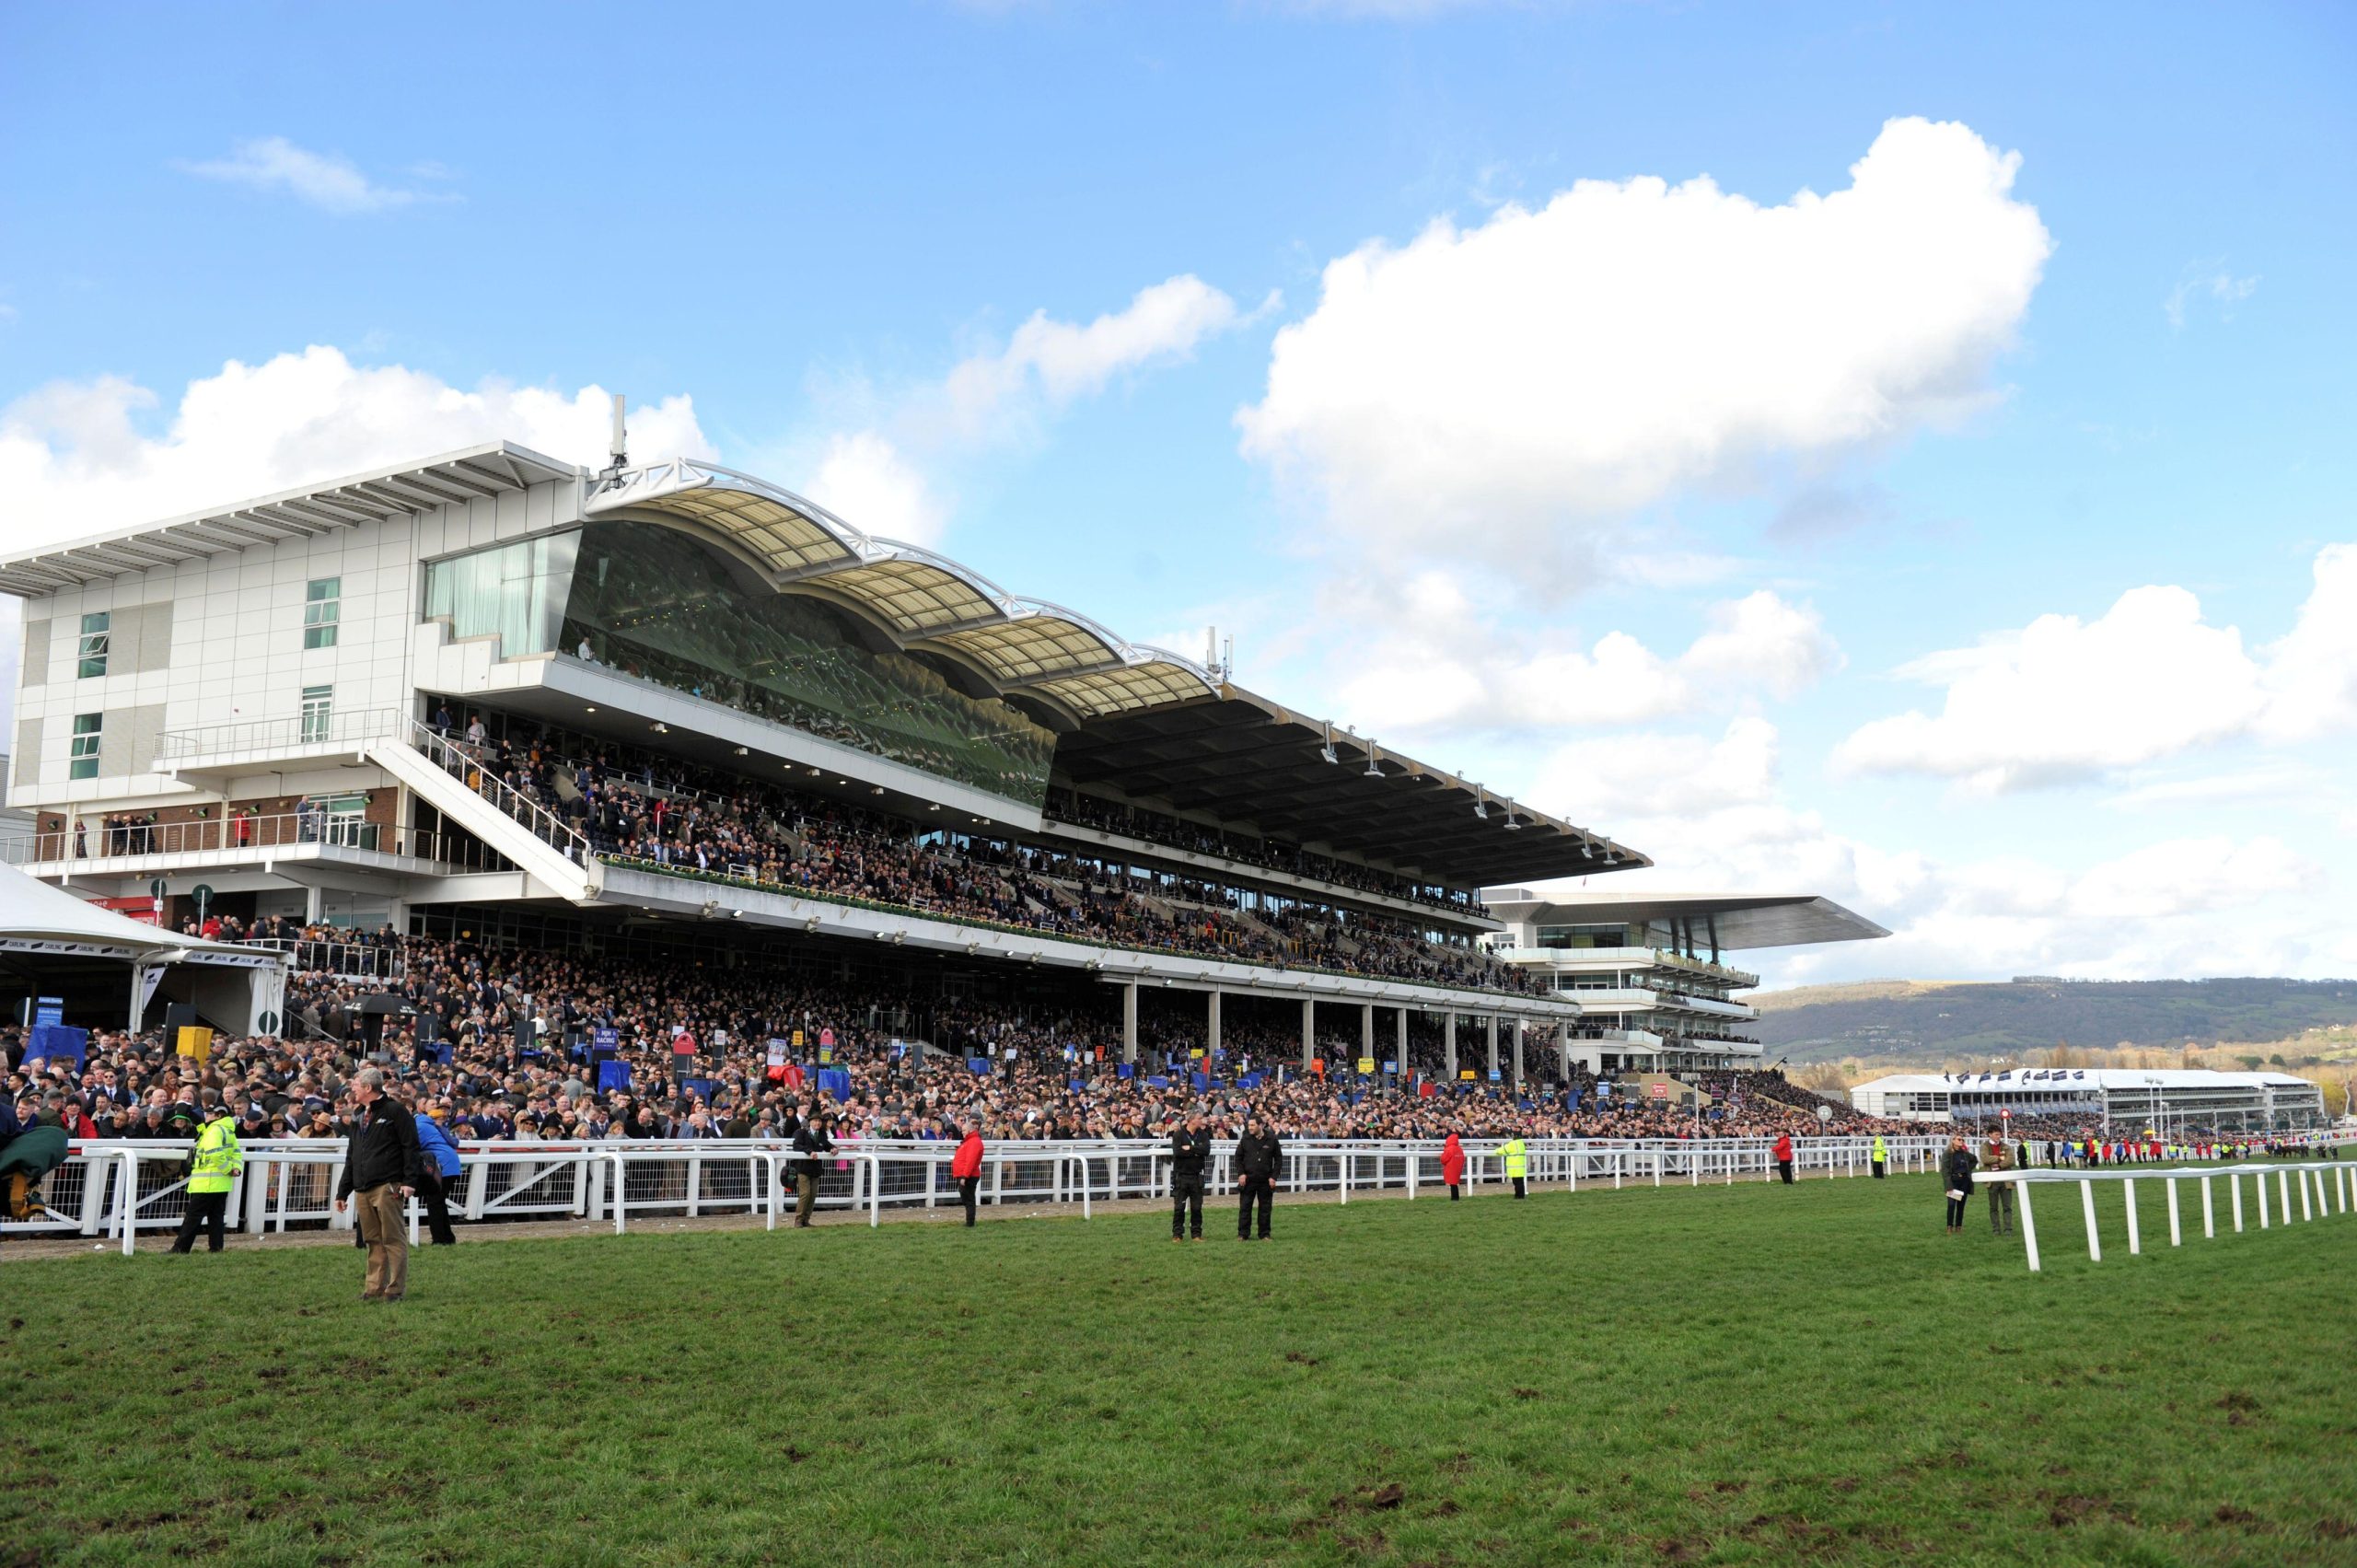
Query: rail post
point(2087, 1202)
point(2029, 1225)
point(2209, 1216)
point(2176, 1237)
point(2235, 1191)
point(2135, 1241)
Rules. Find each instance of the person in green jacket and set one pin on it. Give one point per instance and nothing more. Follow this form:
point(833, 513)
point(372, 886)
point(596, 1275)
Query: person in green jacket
point(1516, 1155)
point(1881, 1156)
point(213, 1169)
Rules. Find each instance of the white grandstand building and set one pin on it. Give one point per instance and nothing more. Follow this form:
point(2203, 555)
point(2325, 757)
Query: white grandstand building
point(1646, 968)
point(2156, 1101)
point(275, 708)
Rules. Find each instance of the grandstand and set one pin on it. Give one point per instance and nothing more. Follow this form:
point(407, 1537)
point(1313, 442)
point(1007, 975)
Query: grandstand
point(673, 712)
point(2159, 1101)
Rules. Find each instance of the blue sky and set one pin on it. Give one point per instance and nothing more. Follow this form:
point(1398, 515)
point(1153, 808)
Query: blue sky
point(1661, 508)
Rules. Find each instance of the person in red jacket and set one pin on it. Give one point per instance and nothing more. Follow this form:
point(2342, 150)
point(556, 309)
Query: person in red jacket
point(1452, 1166)
point(967, 1167)
point(1784, 1156)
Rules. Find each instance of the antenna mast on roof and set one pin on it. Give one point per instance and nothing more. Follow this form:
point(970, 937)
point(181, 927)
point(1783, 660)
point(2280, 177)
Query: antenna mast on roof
point(618, 449)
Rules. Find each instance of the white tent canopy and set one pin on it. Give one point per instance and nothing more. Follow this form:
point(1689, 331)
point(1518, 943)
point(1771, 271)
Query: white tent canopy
point(36, 919)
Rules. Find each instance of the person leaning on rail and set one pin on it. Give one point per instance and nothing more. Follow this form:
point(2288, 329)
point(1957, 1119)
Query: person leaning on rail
point(810, 1140)
point(382, 1165)
point(213, 1169)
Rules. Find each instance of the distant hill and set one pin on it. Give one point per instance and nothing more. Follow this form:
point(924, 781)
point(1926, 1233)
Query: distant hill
point(1931, 1021)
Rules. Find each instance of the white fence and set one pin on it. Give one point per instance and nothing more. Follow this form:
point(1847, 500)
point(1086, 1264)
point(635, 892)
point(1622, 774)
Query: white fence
point(116, 1189)
point(2318, 1183)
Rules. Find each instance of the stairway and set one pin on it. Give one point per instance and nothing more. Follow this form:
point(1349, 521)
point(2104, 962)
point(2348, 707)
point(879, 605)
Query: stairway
point(539, 842)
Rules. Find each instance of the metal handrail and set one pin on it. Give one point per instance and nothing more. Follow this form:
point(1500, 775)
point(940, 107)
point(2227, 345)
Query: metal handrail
point(94, 846)
point(337, 728)
point(454, 758)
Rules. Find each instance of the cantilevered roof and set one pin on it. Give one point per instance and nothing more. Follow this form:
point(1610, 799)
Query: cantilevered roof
point(927, 601)
point(1254, 766)
point(464, 475)
point(1741, 919)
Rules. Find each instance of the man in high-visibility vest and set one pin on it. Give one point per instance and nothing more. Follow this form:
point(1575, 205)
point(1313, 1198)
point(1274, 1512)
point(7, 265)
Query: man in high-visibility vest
point(1516, 1155)
point(1881, 1156)
point(212, 1170)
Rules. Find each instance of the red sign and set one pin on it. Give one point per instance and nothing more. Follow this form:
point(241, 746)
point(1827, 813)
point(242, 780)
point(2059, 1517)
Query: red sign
point(145, 909)
point(1659, 1091)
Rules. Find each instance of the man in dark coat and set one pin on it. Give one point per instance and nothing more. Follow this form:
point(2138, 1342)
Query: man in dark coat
point(382, 1165)
point(1258, 1154)
point(810, 1140)
point(1190, 1147)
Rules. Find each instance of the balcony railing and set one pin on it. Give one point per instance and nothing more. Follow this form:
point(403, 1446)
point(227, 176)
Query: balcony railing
point(92, 846)
point(302, 732)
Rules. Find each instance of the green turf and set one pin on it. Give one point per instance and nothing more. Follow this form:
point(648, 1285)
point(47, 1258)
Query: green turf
point(1746, 1374)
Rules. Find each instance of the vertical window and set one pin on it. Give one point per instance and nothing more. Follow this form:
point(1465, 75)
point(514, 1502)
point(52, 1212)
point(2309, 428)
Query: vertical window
point(96, 634)
point(322, 609)
point(84, 754)
point(319, 712)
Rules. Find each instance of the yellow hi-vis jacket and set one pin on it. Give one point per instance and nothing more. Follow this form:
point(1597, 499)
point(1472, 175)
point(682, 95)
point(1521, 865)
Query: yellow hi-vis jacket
point(1517, 1157)
point(1882, 1153)
point(218, 1158)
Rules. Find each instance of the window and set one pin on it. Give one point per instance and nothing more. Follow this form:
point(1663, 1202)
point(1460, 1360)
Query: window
point(322, 609)
point(96, 635)
point(344, 820)
point(319, 712)
point(84, 754)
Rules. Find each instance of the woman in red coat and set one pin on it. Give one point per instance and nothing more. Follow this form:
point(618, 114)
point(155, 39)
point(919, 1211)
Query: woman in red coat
point(1784, 1156)
point(967, 1167)
point(1452, 1166)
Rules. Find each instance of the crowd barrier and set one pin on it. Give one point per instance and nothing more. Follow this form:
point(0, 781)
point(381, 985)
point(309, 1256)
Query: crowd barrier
point(117, 1190)
point(2318, 1183)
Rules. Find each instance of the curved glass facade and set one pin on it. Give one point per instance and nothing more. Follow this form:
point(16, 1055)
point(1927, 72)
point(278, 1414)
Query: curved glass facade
point(660, 606)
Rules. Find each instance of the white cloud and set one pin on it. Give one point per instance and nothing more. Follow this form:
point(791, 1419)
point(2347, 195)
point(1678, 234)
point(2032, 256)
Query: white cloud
point(2207, 280)
point(865, 481)
point(1047, 363)
point(1435, 666)
point(1514, 382)
point(1622, 778)
point(330, 184)
point(75, 458)
point(1711, 814)
point(2063, 701)
point(873, 467)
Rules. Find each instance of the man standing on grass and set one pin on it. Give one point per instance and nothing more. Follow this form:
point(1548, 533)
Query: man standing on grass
point(1516, 1156)
point(1881, 1156)
point(810, 1140)
point(1258, 1151)
point(1784, 1156)
point(382, 1165)
point(212, 1170)
point(1191, 1146)
point(966, 1167)
point(2001, 1193)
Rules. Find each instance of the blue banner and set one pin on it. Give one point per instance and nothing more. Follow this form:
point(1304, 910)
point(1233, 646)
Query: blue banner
point(835, 1081)
point(1126, 1070)
point(54, 1042)
point(612, 1075)
point(605, 1041)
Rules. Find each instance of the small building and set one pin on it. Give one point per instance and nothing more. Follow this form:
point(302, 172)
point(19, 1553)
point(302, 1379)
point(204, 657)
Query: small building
point(2163, 1101)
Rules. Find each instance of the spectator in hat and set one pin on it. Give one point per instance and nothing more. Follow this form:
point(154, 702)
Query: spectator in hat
point(966, 1167)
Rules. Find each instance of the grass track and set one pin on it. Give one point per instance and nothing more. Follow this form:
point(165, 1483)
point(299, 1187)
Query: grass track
point(1746, 1374)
